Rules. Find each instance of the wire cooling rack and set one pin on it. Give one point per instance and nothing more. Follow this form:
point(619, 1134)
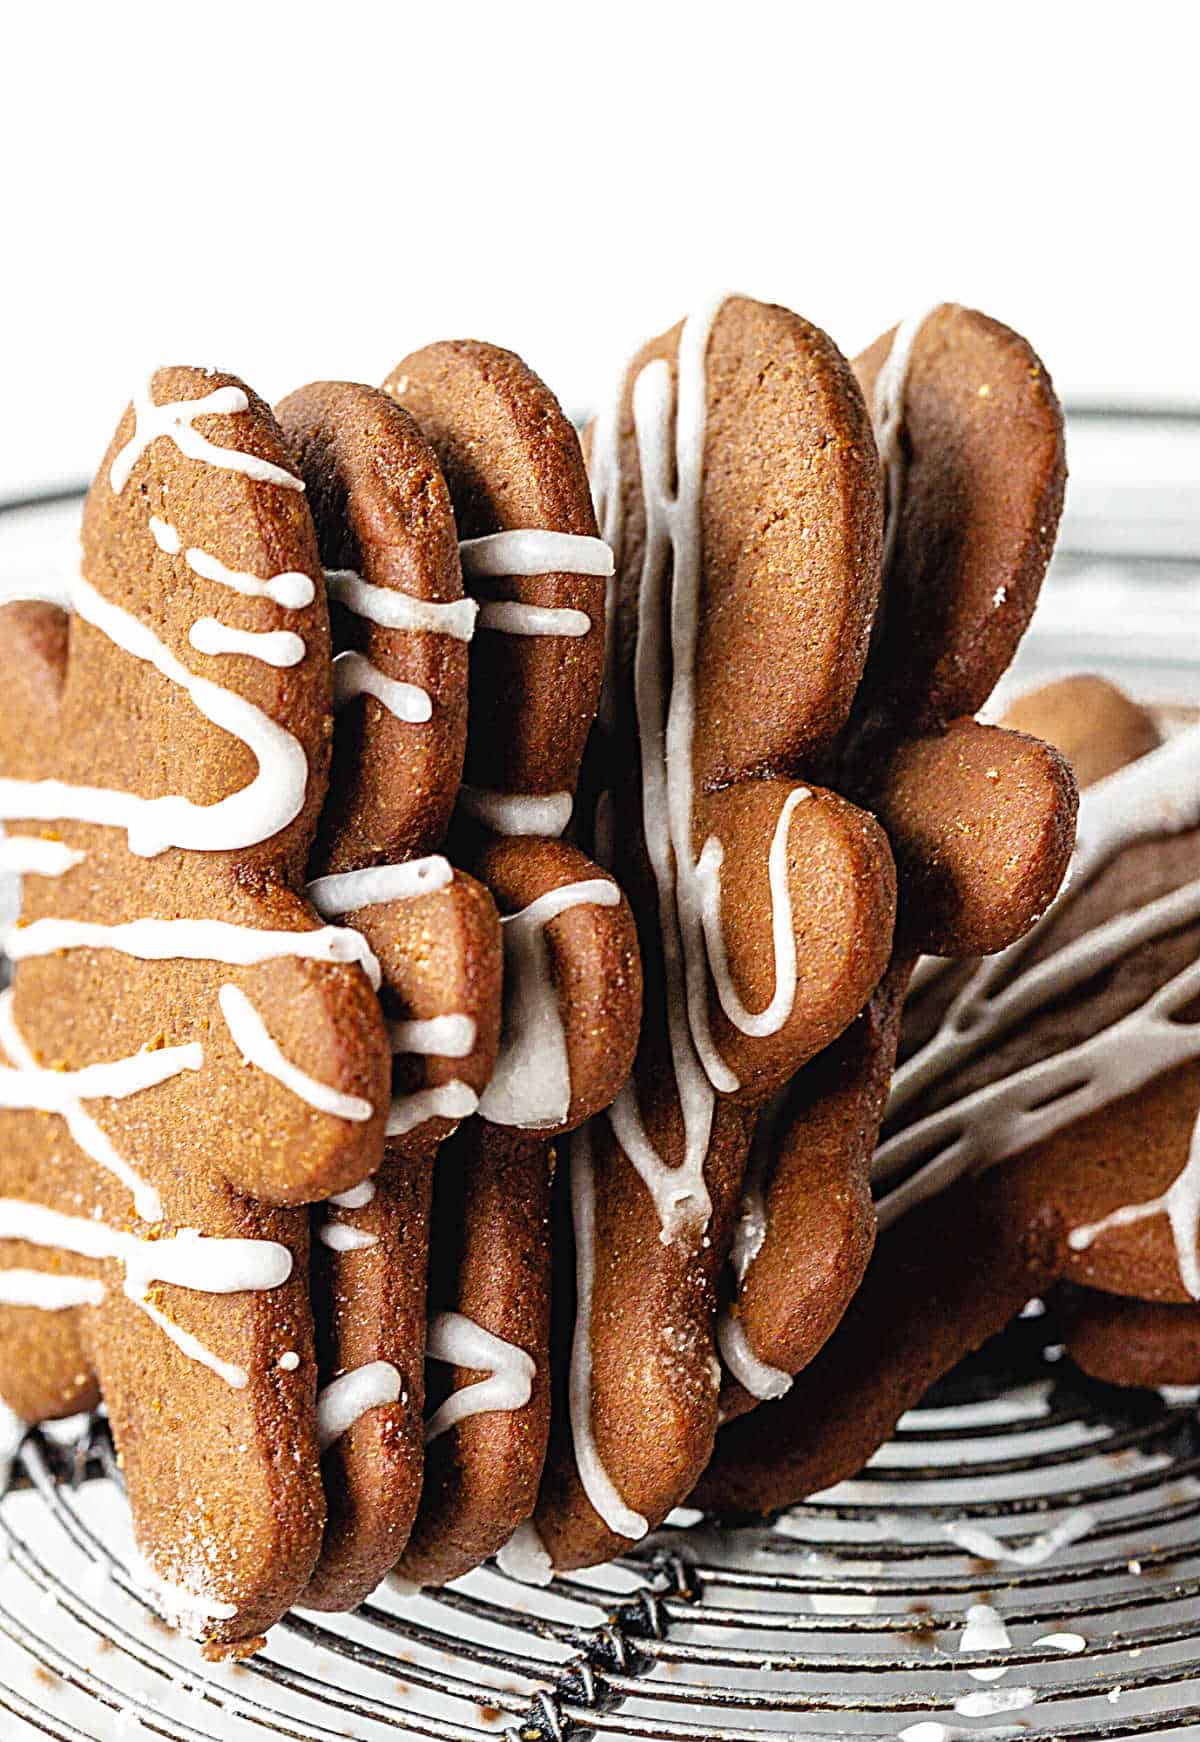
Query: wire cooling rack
point(1068, 1508)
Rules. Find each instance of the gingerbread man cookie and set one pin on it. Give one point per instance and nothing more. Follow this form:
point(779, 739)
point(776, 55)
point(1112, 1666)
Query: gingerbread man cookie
point(572, 997)
point(191, 1055)
point(1068, 1068)
point(739, 486)
point(980, 820)
point(401, 631)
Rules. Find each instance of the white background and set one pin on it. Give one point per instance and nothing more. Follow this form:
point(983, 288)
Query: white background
point(292, 191)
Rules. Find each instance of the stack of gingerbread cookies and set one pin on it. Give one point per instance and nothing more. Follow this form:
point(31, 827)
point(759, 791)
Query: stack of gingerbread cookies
point(471, 911)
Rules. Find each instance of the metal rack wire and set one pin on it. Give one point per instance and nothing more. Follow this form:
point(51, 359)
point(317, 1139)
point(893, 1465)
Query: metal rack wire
point(842, 1618)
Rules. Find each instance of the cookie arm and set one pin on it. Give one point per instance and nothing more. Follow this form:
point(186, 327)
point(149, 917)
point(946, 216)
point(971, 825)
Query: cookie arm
point(982, 823)
point(798, 892)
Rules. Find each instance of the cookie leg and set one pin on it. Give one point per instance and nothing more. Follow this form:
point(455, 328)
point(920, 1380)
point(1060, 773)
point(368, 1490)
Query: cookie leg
point(982, 823)
point(369, 1305)
point(949, 1276)
point(213, 1423)
point(636, 1414)
point(1130, 1342)
point(808, 1223)
point(489, 1336)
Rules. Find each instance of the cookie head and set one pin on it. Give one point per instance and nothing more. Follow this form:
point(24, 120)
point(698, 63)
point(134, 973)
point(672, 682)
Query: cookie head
point(532, 561)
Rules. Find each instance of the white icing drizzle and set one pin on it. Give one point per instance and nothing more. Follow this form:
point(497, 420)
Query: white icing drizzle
point(1180, 1203)
point(357, 1198)
point(891, 384)
point(525, 1557)
point(605, 479)
point(346, 891)
point(346, 1399)
point(985, 1631)
point(175, 420)
point(196, 940)
point(453, 1100)
point(530, 551)
point(1159, 794)
point(12, 1432)
point(597, 1483)
point(165, 536)
point(63, 1093)
point(33, 856)
point(187, 1259)
point(48, 1291)
point(665, 730)
point(278, 647)
point(451, 1037)
point(750, 1229)
point(708, 877)
point(1005, 1117)
point(340, 1237)
point(460, 1342)
point(517, 813)
point(511, 617)
point(757, 1377)
point(354, 675)
point(395, 610)
point(531, 1085)
point(292, 589)
point(256, 1046)
point(50, 1091)
point(272, 800)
